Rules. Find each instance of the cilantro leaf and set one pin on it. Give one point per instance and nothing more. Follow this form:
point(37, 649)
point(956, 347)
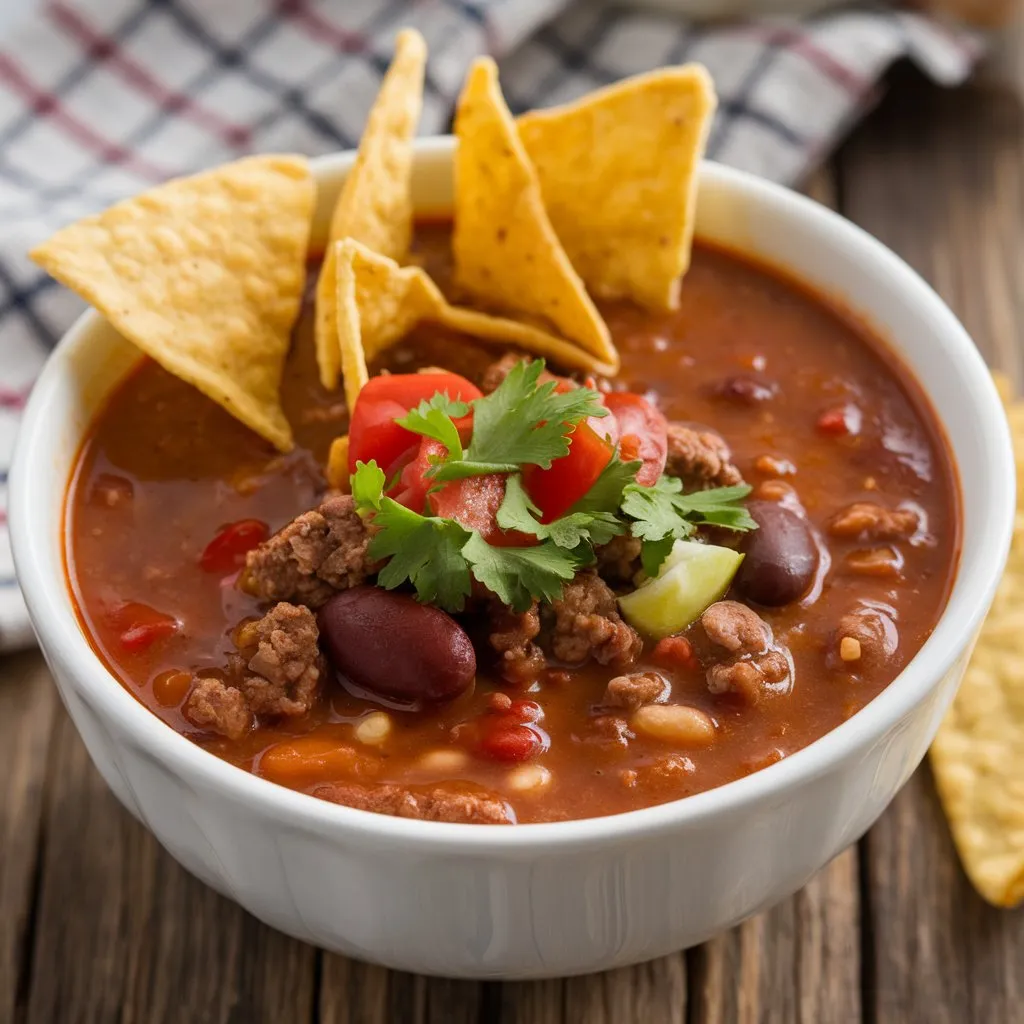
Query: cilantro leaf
point(653, 553)
point(516, 576)
point(654, 511)
point(518, 512)
point(426, 551)
point(719, 506)
point(606, 493)
point(367, 484)
point(662, 514)
point(522, 423)
point(433, 418)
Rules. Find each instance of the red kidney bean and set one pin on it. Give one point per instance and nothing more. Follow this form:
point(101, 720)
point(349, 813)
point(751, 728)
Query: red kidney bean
point(780, 556)
point(510, 743)
point(390, 644)
point(746, 390)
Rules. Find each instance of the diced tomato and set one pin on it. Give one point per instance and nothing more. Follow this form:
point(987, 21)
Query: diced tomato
point(373, 432)
point(842, 421)
point(676, 652)
point(140, 626)
point(226, 552)
point(643, 434)
point(472, 501)
point(556, 489)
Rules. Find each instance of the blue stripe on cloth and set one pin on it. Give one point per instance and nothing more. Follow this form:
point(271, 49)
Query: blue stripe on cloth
point(738, 106)
point(19, 298)
point(74, 77)
point(19, 303)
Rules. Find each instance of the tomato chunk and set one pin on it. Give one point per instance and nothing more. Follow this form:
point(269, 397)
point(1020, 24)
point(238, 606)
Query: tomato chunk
point(556, 489)
point(841, 421)
point(139, 626)
point(643, 433)
point(226, 552)
point(373, 432)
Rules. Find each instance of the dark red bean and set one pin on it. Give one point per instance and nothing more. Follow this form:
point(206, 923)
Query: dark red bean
point(510, 743)
point(747, 390)
point(390, 644)
point(781, 557)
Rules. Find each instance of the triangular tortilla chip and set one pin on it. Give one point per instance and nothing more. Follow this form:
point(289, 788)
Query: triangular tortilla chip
point(507, 254)
point(375, 204)
point(978, 755)
point(618, 170)
point(205, 274)
point(379, 302)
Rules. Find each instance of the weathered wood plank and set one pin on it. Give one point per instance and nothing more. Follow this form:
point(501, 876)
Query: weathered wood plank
point(27, 705)
point(939, 177)
point(124, 934)
point(356, 993)
point(799, 962)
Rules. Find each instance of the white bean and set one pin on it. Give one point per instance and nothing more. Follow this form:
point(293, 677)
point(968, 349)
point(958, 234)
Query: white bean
point(674, 723)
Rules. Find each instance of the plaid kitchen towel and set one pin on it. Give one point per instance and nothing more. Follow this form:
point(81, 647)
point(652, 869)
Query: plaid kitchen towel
point(102, 98)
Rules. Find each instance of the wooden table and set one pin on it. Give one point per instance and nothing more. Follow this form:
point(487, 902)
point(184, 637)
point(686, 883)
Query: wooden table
point(97, 923)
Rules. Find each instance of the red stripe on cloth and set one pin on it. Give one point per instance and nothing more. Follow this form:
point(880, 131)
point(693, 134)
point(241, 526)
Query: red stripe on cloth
point(47, 104)
point(798, 42)
point(14, 399)
point(106, 50)
point(317, 25)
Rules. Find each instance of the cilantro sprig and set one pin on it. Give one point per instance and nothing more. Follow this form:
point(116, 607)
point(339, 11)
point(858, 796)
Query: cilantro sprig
point(440, 557)
point(525, 423)
point(521, 423)
point(661, 514)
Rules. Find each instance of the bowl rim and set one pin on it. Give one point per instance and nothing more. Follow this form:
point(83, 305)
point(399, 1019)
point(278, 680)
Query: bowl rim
point(51, 607)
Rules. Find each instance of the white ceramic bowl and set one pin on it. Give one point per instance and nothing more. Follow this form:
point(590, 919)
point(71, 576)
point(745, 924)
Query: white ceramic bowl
point(549, 899)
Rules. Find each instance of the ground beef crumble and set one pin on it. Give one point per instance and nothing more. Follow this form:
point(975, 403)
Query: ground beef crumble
point(587, 624)
point(636, 689)
point(322, 551)
point(618, 561)
point(864, 520)
point(742, 657)
point(215, 706)
point(285, 669)
point(276, 673)
point(451, 802)
point(700, 458)
point(512, 635)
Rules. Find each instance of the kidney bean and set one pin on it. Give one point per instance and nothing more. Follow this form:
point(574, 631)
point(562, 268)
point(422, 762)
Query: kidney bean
point(390, 644)
point(781, 556)
point(746, 390)
point(510, 743)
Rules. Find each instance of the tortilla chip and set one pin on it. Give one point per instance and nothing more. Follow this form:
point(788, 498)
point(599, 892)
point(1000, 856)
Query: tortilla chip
point(375, 204)
point(978, 755)
point(380, 302)
point(506, 252)
point(337, 465)
point(618, 170)
point(205, 274)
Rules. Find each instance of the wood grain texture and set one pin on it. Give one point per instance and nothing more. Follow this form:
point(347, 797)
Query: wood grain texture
point(123, 934)
point(28, 704)
point(939, 177)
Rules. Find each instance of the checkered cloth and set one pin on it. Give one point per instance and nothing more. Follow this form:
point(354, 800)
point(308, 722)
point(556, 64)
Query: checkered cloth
point(103, 98)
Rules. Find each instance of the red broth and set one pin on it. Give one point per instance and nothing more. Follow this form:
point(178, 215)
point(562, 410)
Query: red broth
point(163, 469)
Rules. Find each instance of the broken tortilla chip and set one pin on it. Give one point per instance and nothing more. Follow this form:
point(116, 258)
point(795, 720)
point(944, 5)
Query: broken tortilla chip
point(618, 170)
point(379, 302)
point(337, 465)
point(205, 274)
point(375, 204)
point(978, 755)
point(507, 254)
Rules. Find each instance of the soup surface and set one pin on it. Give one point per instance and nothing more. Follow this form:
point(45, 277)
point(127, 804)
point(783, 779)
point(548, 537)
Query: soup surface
point(821, 420)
